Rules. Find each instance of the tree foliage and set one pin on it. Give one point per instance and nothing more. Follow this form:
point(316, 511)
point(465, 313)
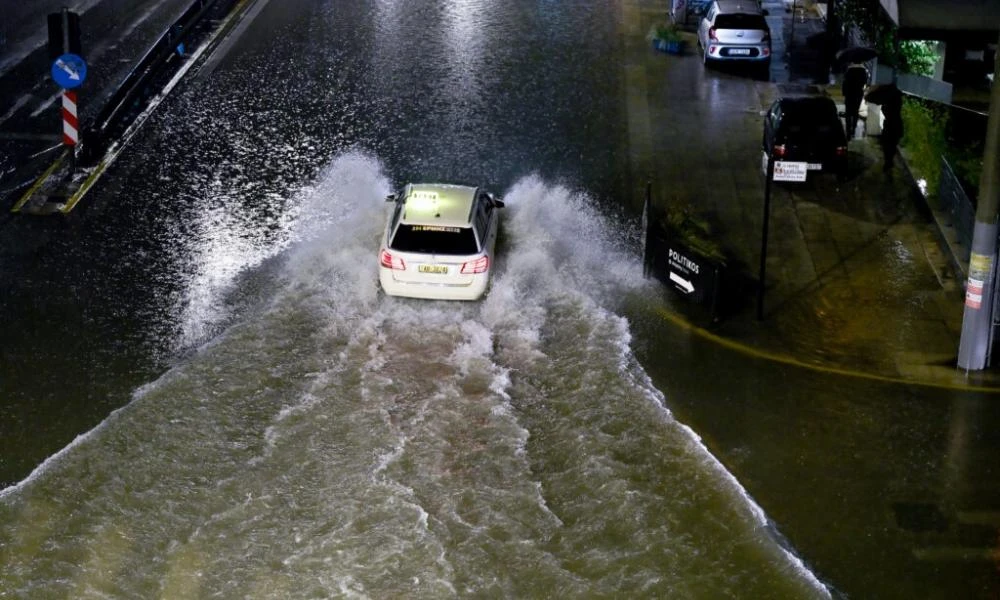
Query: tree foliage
point(868, 17)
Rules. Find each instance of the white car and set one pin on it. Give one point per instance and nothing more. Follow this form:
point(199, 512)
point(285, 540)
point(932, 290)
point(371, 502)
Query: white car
point(736, 30)
point(439, 242)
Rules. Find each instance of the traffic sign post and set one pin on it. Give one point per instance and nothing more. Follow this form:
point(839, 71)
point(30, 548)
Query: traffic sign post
point(71, 124)
point(762, 274)
point(776, 170)
point(64, 34)
point(69, 71)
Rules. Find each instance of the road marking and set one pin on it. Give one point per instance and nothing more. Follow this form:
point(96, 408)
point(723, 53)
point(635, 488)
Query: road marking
point(788, 360)
point(46, 103)
point(957, 554)
point(979, 517)
point(38, 183)
point(17, 106)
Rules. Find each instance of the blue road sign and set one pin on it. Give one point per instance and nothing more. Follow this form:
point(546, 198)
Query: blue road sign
point(69, 71)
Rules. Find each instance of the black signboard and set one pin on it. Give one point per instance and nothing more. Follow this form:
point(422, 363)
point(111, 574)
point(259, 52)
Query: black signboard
point(689, 273)
point(694, 275)
point(64, 41)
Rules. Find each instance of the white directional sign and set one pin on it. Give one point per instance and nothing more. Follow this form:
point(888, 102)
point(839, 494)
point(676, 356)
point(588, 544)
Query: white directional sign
point(790, 171)
point(69, 71)
point(683, 268)
point(685, 286)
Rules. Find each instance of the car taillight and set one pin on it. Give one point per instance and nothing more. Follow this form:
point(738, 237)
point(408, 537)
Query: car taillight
point(841, 150)
point(711, 34)
point(779, 150)
point(391, 262)
point(480, 265)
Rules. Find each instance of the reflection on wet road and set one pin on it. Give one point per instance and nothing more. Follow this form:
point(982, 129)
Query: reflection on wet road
point(255, 419)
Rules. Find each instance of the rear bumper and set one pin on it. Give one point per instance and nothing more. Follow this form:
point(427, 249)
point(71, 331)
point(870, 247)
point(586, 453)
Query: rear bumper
point(474, 290)
point(724, 52)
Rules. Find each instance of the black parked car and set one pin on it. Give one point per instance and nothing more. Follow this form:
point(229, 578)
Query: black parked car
point(806, 129)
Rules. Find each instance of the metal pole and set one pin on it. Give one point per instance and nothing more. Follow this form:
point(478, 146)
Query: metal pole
point(974, 346)
point(791, 34)
point(66, 49)
point(763, 239)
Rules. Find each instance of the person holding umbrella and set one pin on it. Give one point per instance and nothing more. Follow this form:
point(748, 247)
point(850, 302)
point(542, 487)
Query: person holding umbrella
point(853, 87)
point(856, 79)
point(891, 99)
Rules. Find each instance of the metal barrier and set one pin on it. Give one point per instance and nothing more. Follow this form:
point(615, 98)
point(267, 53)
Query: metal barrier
point(142, 82)
point(960, 209)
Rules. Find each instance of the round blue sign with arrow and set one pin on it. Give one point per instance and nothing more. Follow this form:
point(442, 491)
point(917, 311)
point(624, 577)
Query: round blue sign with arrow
point(69, 71)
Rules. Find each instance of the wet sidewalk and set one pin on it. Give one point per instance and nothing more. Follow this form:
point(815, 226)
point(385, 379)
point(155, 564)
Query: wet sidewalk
point(857, 276)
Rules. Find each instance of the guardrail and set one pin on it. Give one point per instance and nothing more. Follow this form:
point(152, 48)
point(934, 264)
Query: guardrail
point(961, 210)
point(144, 81)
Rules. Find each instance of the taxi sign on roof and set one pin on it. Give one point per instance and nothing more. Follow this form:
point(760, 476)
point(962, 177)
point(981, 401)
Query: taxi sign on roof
point(436, 228)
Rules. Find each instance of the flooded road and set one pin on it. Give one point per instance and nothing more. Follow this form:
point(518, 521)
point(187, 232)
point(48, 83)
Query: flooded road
point(232, 408)
point(340, 443)
point(207, 396)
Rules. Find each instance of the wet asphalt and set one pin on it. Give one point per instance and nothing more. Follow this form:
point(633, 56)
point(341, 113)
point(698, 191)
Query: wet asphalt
point(840, 411)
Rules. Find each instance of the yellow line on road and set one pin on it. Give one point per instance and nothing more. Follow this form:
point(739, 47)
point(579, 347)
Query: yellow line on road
point(38, 183)
point(787, 360)
point(87, 183)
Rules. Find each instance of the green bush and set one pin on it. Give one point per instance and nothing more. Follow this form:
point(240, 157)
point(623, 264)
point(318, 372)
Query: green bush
point(924, 141)
point(967, 163)
point(665, 32)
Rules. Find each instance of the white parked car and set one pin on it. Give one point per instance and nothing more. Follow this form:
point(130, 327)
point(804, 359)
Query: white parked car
point(736, 31)
point(439, 242)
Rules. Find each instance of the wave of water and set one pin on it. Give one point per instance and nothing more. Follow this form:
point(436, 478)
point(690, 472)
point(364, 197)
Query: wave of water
point(338, 443)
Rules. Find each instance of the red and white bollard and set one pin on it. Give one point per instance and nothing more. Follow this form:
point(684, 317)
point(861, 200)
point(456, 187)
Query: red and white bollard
point(71, 126)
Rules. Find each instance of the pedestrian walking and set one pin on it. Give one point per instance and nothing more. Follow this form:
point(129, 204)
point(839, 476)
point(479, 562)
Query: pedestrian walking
point(892, 124)
point(853, 87)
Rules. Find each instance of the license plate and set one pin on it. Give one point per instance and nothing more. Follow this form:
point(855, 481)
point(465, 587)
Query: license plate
point(739, 51)
point(815, 166)
point(440, 269)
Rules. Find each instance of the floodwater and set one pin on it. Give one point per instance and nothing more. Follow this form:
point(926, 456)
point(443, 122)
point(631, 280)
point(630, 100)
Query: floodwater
point(338, 442)
point(230, 408)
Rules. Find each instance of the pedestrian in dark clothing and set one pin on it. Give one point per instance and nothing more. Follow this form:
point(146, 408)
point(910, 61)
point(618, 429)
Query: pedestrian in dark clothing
point(892, 124)
point(853, 88)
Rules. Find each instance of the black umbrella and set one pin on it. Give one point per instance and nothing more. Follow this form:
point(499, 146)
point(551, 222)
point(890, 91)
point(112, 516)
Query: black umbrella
point(886, 93)
point(857, 54)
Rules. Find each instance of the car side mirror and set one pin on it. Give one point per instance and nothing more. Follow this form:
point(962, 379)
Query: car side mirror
point(390, 198)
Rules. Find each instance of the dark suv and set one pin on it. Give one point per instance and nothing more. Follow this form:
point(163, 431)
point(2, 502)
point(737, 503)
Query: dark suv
point(806, 129)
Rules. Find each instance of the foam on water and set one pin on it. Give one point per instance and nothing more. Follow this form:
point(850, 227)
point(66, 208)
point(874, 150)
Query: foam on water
point(376, 446)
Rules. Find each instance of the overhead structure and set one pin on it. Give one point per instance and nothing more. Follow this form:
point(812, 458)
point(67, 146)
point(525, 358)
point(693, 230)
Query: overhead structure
point(969, 20)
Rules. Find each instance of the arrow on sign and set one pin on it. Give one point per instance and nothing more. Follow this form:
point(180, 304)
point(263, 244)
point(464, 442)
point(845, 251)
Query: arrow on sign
point(73, 74)
point(684, 284)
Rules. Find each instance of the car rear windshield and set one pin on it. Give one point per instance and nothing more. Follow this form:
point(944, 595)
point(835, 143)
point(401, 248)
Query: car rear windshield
point(811, 117)
point(435, 239)
point(740, 21)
